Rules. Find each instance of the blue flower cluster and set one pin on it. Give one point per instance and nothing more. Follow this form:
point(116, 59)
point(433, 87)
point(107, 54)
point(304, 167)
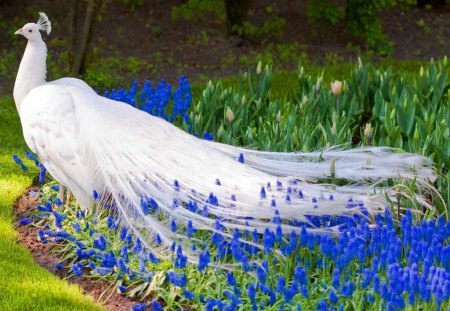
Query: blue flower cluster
point(156, 101)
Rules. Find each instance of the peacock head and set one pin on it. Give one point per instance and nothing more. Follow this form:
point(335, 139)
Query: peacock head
point(31, 31)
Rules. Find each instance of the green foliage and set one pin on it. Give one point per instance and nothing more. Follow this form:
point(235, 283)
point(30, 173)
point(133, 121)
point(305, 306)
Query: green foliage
point(197, 9)
point(272, 26)
point(362, 18)
point(325, 11)
point(133, 4)
point(411, 115)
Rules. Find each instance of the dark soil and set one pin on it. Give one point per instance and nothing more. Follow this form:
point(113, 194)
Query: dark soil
point(200, 49)
point(42, 254)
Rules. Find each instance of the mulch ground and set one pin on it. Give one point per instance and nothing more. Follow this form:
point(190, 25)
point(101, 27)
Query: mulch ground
point(43, 256)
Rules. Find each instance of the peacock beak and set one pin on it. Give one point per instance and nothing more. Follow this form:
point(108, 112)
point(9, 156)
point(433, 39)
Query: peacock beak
point(19, 32)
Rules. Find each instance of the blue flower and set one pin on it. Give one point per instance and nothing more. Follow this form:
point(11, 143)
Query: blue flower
point(230, 279)
point(261, 271)
point(280, 284)
point(25, 221)
point(173, 225)
point(252, 293)
point(158, 239)
point(76, 270)
point(140, 307)
point(103, 270)
point(59, 218)
point(262, 193)
point(204, 259)
point(348, 288)
point(100, 243)
point(300, 275)
point(333, 297)
point(137, 247)
point(189, 295)
point(241, 158)
point(177, 279)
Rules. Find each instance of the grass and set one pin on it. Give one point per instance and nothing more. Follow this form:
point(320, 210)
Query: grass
point(23, 284)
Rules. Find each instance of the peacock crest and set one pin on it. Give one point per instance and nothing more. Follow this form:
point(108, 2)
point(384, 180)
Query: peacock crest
point(44, 23)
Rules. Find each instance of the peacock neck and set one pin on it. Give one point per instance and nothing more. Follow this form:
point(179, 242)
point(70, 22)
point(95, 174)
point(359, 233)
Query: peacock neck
point(32, 70)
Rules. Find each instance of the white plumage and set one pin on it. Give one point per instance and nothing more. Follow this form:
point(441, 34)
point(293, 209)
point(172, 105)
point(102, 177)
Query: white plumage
point(88, 142)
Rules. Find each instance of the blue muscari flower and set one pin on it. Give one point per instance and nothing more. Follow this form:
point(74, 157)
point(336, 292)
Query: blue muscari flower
point(262, 193)
point(59, 266)
point(252, 293)
point(322, 305)
point(42, 208)
point(288, 199)
point(95, 195)
point(140, 307)
point(180, 260)
point(300, 275)
point(280, 284)
point(290, 292)
point(76, 226)
point(205, 212)
point(245, 263)
point(55, 187)
point(366, 278)
point(158, 239)
point(25, 221)
point(241, 158)
point(109, 260)
point(292, 244)
point(100, 243)
point(121, 288)
point(92, 265)
point(304, 291)
point(58, 202)
point(103, 270)
point(121, 265)
point(304, 237)
point(177, 279)
point(145, 207)
point(336, 278)
point(230, 279)
point(268, 291)
point(204, 259)
point(268, 241)
point(262, 271)
point(189, 295)
point(59, 218)
point(190, 229)
point(279, 186)
point(76, 270)
point(41, 235)
point(173, 225)
point(333, 297)
point(218, 182)
point(123, 233)
point(137, 247)
point(348, 288)
point(176, 185)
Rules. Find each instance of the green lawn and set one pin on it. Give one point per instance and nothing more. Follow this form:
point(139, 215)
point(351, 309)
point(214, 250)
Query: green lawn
point(23, 284)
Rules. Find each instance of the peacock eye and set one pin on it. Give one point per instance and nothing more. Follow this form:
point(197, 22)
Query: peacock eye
point(30, 30)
